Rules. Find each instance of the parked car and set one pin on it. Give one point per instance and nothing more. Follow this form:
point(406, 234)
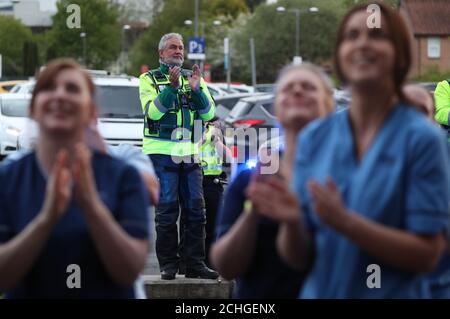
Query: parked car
point(235, 87)
point(14, 121)
point(249, 124)
point(6, 86)
point(120, 117)
point(224, 104)
point(342, 99)
point(266, 88)
point(216, 91)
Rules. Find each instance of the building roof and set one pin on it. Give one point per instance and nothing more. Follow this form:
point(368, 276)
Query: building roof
point(428, 17)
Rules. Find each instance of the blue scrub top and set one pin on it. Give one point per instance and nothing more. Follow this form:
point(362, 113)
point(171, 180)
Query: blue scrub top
point(21, 198)
point(267, 275)
point(402, 182)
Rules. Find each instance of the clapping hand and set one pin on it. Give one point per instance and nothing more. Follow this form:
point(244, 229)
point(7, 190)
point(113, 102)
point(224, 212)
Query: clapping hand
point(58, 192)
point(328, 203)
point(174, 77)
point(194, 79)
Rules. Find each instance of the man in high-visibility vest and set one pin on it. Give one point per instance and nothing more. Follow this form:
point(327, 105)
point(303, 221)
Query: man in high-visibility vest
point(213, 152)
point(442, 102)
point(174, 102)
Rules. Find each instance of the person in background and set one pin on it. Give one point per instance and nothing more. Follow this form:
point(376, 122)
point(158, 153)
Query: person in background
point(73, 221)
point(442, 102)
point(371, 183)
point(421, 99)
point(213, 152)
point(245, 248)
point(173, 101)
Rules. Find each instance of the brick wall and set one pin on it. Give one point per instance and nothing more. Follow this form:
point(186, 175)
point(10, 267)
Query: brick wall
point(421, 61)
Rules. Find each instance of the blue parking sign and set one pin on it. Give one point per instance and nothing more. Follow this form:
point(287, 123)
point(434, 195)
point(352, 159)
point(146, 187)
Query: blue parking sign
point(196, 48)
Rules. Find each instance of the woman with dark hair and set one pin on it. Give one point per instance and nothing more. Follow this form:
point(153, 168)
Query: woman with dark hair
point(73, 221)
point(372, 182)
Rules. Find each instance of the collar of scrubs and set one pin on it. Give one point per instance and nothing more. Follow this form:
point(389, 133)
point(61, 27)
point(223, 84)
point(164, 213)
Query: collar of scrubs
point(348, 139)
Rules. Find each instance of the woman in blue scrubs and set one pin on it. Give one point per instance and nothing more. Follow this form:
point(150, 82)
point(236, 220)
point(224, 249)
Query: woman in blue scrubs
point(73, 221)
point(372, 182)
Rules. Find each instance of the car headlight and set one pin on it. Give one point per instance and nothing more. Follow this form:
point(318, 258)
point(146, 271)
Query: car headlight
point(13, 131)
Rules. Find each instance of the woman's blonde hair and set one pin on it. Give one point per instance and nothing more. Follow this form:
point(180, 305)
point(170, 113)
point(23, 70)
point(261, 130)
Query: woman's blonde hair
point(325, 80)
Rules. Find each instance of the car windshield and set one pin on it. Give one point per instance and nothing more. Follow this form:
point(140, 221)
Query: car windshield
point(15, 107)
point(269, 108)
point(118, 101)
point(213, 92)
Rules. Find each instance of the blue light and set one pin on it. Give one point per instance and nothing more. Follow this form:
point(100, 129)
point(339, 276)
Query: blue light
point(251, 163)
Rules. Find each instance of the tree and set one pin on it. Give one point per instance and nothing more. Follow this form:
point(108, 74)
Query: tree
point(274, 37)
point(99, 20)
point(227, 8)
point(171, 19)
point(30, 58)
point(350, 3)
point(13, 35)
point(253, 3)
point(139, 10)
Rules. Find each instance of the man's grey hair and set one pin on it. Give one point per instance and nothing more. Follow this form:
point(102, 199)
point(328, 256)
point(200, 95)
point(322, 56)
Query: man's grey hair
point(167, 37)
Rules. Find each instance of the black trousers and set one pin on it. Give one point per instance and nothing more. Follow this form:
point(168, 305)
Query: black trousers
point(213, 193)
point(180, 183)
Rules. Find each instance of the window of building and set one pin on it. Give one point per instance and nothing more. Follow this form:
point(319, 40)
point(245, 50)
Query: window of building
point(434, 48)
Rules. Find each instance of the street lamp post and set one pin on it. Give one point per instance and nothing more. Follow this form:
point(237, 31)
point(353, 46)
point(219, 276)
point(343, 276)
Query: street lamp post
point(297, 13)
point(83, 37)
point(196, 19)
point(124, 52)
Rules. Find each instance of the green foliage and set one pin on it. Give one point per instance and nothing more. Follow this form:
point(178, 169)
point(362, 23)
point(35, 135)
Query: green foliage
point(252, 4)
point(432, 74)
point(171, 19)
point(98, 21)
point(274, 36)
point(30, 58)
point(227, 7)
point(13, 35)
point(350, 3)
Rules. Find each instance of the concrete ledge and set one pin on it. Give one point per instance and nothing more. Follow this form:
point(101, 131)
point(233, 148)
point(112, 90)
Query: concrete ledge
point(186, 288)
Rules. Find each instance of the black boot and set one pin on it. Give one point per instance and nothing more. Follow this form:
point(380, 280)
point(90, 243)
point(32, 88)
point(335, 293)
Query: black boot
point(201, 272)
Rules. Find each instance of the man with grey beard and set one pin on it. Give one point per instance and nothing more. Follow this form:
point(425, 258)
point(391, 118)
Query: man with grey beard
point(173, 99)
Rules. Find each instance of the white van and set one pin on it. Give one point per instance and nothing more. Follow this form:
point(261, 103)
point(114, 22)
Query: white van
point(120, 116)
